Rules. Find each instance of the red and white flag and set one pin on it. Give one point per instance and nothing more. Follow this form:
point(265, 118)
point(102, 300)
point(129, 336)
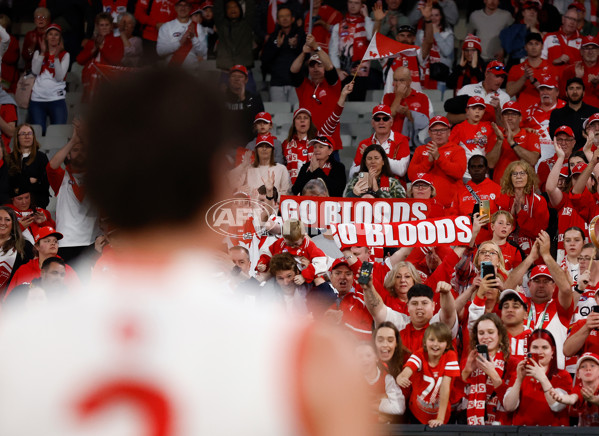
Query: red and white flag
point(271, 19)
point(382, 47)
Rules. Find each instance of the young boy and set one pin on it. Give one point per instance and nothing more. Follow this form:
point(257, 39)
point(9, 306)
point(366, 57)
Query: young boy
point(476, 136)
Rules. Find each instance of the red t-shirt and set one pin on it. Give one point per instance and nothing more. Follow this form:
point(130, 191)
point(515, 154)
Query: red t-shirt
point(475, 138)
point(588, 413)
point(527, 140)
point(591, 90)
point(529, 95)
point(426, 383)
point(512, 256)
point(322, 36)
point(409, 59)
point(416, 101)
point(567, 216)
point(591, 343)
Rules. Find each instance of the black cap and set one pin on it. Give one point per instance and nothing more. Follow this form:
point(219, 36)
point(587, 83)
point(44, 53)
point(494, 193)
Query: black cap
point(21, 189)
point(406, 28)
point(533, 36)
point(575, 80)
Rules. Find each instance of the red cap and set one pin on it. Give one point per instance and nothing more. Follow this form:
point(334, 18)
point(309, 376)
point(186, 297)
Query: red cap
point(511, 106)
point(439, 119)
point(476, 100)
point(239, 68)
point(196, 10)
point(315, 58)
point(267, 138)
point(578, 6)
point(207, 4)
point(324, 140)
point(381, 109)
point(339, 261)
point(299, 110)
point(587, 356)
point(565, 172)
point(44, 232)
point(589, 40)
point(263, 116)
point(564, 129)
point(521, 296)
point(579, 168)
point(53, 26)
point(540, 270)
point(423, 177)
point(548, 81)
point(532, 4)
point(472, 41)
point(589, 120)
point(496, 68)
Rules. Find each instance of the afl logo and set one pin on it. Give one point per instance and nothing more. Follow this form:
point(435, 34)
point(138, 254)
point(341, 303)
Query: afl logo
point(228, 216)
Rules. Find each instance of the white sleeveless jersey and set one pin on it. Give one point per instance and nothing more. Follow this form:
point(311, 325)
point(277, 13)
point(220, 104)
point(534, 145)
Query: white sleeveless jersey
point(157, 357)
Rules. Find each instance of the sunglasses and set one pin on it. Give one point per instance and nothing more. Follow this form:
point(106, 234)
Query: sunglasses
point(385, 118)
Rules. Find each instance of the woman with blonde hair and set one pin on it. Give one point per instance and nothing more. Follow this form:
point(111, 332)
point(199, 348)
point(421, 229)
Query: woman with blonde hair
point(519, 198)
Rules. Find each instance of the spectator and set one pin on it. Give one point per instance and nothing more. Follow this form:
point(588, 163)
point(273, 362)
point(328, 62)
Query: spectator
point(182, 41)
point(388, 401)
point(8, 119)
point(519, 198)
point(436, 362)
point(487, 23)
point(263, 126)
point(444, 161)
point(263, 170)
point(207, 10)
point(470, 69)
point(281, 48)
point(33, 38)
point(322, 166)
point(583, 334)
point(103, 48)
point(10, 58)
point(116, 8)
point(133, 45)
point(518, 143)
point(151, 16)
point(530, 393)
point(295, 147)
point(76, 218)
point(27, 165)
point(561, 48)
point(50, 283)
point(587, 70)
point(15, 251)
point(320, 90)
point(235, 35)
point(50, 65)
point(348, 44)
point(450, 10)
point(243, 104)
point(324, 17)
point(395, 144)
point(423, 188)
point(31, 218)
point(502, 226)
point(514, 310)
point(524, 78)
point(485, 374)
point(586, 285)
point(392, 21)
point(46, 244)
point(537, 118)
point(515, 37)
point(375, 179)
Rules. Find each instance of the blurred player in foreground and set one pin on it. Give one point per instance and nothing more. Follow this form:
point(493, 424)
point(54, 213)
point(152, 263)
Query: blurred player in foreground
point(156, 349)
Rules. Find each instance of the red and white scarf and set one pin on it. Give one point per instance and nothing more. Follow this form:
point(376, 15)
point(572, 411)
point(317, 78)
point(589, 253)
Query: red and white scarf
point(50, 60)
point(482, 405)
point(353, 41)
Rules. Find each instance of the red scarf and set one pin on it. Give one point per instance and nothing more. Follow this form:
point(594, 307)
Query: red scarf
point(352, 37)
point(384, 183)
point(327, 168)
point(482, 406)
point(182, 52)
point(50, 60)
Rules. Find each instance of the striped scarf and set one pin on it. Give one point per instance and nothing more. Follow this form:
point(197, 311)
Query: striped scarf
point(482, 406)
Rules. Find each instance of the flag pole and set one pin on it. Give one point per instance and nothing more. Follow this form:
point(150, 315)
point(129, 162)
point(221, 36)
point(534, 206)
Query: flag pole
point(310, 18)
point(357, 69)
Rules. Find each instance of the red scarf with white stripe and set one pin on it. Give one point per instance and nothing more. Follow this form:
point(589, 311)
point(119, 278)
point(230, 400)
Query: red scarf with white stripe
point(50, 60)
point(181, 54)
point(482, 407)
point(352, 37)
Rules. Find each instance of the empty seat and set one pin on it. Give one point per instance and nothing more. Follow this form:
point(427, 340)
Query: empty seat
point(37, 129)
point(348, 117)
point(360, 130)
point(433, 94)
point(59, 130)
point(51, 144)
point(282, 118)
point(359, 107)
point(277, 107)
point(346, 141)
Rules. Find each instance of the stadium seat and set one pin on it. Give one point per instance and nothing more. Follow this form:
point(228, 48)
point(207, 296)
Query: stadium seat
point(359, 107)
point(360, 130)
point(346, 141)
point(375, 95)
point(349, 117)
point(278, 107)
point(434, 94)
point(37, 129)
point(282, 118)
point(282, 131)
point(59, 131)
point(51, 144)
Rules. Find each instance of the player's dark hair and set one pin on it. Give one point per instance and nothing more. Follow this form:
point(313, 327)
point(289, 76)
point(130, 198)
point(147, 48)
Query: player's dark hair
point(420, 290)
point(49, 261)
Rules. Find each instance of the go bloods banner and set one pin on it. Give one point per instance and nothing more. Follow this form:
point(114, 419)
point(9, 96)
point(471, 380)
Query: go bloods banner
point(455, 230)
point(321, 212)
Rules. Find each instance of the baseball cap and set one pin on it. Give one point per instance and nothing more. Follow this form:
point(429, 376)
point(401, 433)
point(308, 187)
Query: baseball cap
point(531, 4)
point(472, 41)
point(239, 68)
point(565, 172)
point(564, 129)
point(589, 40)
point(533, 36)
point(590, 120)
point(381, 109)
point(476, 100)
point(578, 6)
point(196, 10)
point(507, 292)
point(265, 139)
point(299, 110)
point(424, 178)
point(540, 270)
point(406, 28)
point(579, 168)
point(587, 356)
point(548, 81)
point(324, 140)
point(439, 119)
point(263, 116)
point(207, 4)
point(496, 68)
point(183, 1)
point(339, 261)
point(315, 58)
point(511, 106)
point(44, 232)
point(53, 26)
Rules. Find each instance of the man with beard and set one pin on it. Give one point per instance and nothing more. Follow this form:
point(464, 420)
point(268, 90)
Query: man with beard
point(574, 113)
point(587, 70)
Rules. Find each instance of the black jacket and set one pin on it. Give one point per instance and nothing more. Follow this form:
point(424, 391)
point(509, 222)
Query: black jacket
point(335, 181)
point(279, 59)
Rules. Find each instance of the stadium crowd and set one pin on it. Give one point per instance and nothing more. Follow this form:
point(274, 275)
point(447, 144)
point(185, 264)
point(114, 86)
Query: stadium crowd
point(500, 331)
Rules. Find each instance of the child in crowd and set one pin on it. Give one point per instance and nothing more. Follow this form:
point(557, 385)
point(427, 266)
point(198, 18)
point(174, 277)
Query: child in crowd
point(502, 226)
point(430, 371)
point(263, 126)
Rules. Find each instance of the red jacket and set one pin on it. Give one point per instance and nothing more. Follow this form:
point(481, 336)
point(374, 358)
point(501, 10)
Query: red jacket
point(31, 270)
point(111, 53)
point(162, 11)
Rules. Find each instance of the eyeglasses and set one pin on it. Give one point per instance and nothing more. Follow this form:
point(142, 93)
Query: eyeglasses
point(435, 131)
point(385, 118)
point(518, 173)
point(25, 134)
point(564, 141)
point(420, 186)
point(40, 17)
point(488, 253)
point(587, 258)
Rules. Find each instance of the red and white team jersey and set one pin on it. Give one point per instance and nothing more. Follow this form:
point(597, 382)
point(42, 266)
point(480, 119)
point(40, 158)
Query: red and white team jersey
point(397, 147)
point(529, 95)
point(527, 140)
point(588, 413)
point(416, 101)
point(115, 8)
point(557, 44)
point(591, 344)
point(518, 348)
point(538, 119)
point(148, 354)
point(567, 217)
point(512, 255)
point(474, 138)
point(296, 154)
point(426, 383)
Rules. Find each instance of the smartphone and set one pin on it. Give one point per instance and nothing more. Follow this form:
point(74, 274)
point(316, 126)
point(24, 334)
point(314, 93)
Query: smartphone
point(530, 357)
point(362, 174)
point(485, 209)
point(484, 350)
point(487, 268)
point(365, 273)
point(595, 309)
point(475, 209)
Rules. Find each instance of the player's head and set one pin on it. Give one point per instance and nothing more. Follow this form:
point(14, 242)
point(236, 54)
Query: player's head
point(437, 339)
point(134, 128)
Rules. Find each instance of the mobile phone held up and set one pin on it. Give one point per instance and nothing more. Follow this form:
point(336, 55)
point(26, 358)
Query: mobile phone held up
point(483, 350)
point(365, 273)
point(530, 357)
point(487, 268)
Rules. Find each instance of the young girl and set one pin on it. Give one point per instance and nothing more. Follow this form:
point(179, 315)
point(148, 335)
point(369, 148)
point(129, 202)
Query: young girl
point(574, 239)
point(433, 369)
point(585, 397)
point(502, 225)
